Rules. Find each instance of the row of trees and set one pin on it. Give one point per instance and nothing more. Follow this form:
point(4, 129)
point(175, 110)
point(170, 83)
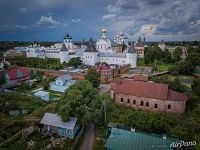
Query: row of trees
point(182, 67)
point(37, 63)
point(155, 53)
point(45, 63)
point(17, 100)
point(185, 67)
point(174, 84)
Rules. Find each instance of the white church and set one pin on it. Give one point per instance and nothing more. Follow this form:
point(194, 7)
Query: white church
point(91, 54)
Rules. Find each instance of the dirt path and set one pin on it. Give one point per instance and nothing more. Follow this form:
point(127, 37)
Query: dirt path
point(11, 138)
point(89, 138)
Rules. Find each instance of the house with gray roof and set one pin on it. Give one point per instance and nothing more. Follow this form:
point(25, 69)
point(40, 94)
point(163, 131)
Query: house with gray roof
point(43, 95)
point(62, 83)
point(54, 124)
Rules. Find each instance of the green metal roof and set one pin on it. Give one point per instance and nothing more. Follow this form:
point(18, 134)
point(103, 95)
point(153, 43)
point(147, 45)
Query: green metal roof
point(127, 140)
point(67, 36)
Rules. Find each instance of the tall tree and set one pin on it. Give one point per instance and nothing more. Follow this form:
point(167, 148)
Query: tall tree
point(81, 100)
point(177, 54)
point(153, 53)
point(94, 77)
point(75, 62)
point(194, 58)
point(186, 67)
point(167, 56)
point(174, 84)
point(196, 86)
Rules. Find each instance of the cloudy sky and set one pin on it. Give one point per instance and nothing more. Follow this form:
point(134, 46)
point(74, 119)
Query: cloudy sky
point(49, 20)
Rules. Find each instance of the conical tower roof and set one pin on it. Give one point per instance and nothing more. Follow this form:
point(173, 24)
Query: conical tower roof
point(63, 48)
point(91, 47)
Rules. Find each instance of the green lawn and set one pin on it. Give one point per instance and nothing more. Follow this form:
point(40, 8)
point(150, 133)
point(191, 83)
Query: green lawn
point(41, 110)
point(186, 81)
point(185, 77)
point(163, 67)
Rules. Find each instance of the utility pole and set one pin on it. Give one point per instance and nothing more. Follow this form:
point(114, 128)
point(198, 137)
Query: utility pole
point(104, 107)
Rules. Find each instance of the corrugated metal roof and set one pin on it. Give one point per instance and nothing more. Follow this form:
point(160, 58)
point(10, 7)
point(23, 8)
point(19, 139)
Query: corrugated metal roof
point(126, 140)
point(64, 78)
point(41, 93)
point(56, 121)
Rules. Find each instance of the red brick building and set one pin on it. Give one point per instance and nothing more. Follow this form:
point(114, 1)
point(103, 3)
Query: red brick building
point(106, 72)
point(140, 93)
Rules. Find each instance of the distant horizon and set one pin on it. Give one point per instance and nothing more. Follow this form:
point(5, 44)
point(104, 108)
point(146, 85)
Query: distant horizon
point(60, 41)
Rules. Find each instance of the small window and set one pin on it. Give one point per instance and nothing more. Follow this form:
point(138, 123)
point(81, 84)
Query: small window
point(147, 104)
point(156, 106)
point(134, 102)
point(128, 100)
point(169, 106)
point(67, 131)
point(122, 100)
point(142, 103)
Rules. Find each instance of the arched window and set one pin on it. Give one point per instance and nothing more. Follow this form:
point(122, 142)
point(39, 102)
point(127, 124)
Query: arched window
point(156, 106)
point(134, 102)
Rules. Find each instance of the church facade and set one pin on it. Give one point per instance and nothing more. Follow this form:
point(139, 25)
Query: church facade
point(102, 51)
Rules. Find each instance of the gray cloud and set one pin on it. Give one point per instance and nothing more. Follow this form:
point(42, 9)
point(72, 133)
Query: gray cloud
point(154, 2)
point(156, 17)
point(76, 20)
point(22, 10)
point(47, 21)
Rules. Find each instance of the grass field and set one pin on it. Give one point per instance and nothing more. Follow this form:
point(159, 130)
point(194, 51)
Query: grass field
point(163, 67)
point(41, 110)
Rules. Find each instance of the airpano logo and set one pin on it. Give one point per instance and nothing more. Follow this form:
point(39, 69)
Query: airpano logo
point(179, 144)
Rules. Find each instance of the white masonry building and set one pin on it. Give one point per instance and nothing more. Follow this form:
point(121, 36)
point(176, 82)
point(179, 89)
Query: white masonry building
point(91, 54)
point(101, 52)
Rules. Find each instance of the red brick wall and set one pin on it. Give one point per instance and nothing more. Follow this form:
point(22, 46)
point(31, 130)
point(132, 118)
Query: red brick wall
point(162, 106)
